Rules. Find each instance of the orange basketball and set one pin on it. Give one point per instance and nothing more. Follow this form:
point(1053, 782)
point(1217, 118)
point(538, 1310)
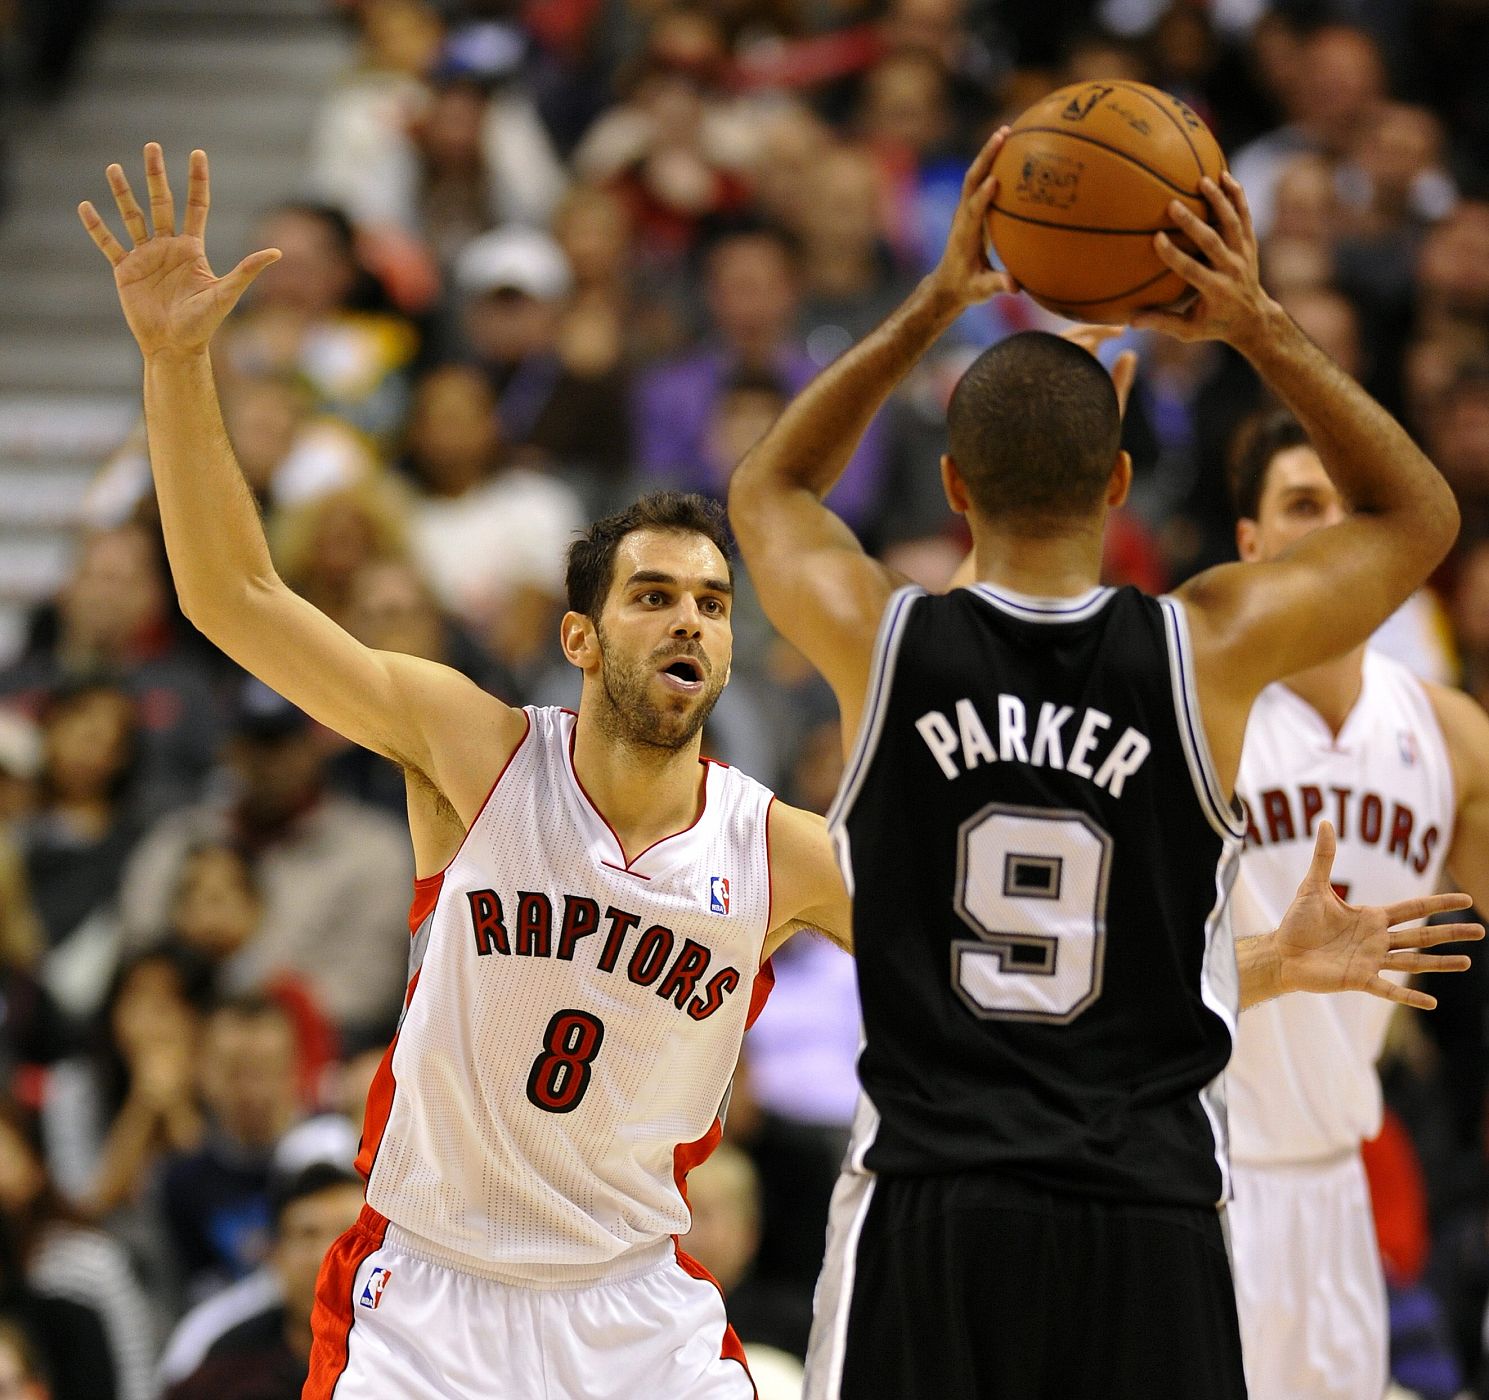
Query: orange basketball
point(1084, 182)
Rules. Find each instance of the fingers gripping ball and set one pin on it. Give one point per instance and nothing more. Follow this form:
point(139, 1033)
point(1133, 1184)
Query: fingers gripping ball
point(1084, 182)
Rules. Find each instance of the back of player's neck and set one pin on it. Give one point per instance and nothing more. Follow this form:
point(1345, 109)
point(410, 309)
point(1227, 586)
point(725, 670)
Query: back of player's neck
point(1332, 689)
point(1057, 566)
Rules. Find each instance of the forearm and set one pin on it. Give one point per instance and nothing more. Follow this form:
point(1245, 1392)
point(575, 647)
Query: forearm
point(812, 441)
point(213, 535)
point(1366, 452)
point(1260, 970)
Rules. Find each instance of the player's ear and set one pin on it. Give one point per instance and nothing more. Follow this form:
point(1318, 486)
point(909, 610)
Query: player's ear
point(955, 488)
point(576, 634)
point(1247, 545)
point(1120, 481)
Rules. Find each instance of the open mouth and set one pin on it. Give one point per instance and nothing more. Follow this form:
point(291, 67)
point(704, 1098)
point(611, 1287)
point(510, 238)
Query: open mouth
point(683, 673)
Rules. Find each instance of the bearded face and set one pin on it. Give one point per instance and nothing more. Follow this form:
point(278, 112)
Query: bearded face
point(659, 700)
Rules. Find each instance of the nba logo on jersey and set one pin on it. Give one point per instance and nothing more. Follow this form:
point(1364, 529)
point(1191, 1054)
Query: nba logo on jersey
point(718, 894)
point(1408, 743)
point(378, 1280)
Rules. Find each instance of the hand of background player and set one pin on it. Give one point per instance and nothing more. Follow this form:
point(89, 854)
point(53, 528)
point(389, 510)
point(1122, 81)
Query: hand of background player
point(964, 275)
point(1230, 303)
point(1124, 367)
point(171, 298)
point(1326, 945)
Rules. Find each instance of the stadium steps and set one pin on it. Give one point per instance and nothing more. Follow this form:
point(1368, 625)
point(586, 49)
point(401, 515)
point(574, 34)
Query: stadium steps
point(240, 78)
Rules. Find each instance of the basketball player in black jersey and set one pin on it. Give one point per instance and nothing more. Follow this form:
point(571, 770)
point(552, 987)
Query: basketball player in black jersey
point(1037, 827)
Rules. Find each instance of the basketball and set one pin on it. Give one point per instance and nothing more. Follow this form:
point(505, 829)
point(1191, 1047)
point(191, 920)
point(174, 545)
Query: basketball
point(1084, 182)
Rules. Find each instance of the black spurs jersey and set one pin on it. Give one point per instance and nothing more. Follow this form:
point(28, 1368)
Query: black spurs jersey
point(1039, 854)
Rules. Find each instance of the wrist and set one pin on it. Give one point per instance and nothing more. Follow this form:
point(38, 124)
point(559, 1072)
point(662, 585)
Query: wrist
point(174, 357)
point(938, 298)
point(1267, 333)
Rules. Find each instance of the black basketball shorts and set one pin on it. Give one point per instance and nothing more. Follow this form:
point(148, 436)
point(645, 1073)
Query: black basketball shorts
point(982, 1288)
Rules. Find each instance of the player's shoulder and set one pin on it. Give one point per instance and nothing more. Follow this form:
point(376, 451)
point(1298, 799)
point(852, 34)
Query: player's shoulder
point(798, 836)
point(1464, 724)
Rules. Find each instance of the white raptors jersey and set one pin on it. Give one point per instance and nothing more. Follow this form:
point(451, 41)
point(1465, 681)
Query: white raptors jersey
point(1302, 1083)
point(571, 1025)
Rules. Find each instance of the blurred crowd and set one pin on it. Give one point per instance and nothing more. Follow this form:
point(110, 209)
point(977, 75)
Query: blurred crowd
point(547, 254)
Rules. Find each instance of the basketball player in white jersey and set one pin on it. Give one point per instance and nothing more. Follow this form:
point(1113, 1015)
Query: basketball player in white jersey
point(591, 926)
point(1400, 768)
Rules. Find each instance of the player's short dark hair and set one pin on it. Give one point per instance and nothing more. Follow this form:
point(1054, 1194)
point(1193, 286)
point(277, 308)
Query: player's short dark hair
point(310, 1180)
point(1254, 448)
point(1034, 428)
point(591, 563)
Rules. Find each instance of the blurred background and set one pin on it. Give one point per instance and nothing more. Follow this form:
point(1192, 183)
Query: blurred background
point(539, 256)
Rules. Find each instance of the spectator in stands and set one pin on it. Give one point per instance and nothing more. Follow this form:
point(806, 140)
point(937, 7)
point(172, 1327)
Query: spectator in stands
point(676, 148)
point(60, 1346)
point(116, 615)
point(20, 765)
point(1471, 619)
point(288, 452)
point(214, 1199)
point(1453, 271)
point(513, 284)
point(905, 118)
point(1341, 86)
point(77, 841)
point(393, 608)
point(752, 286)
point(724, 1199)
point(22, 1375)
point(336, 875)
point(484, 531)
point(63, 1258)
point(308, 316)
point(114, 1110)
point(319, 546)
point(33, 1028)
point(848, 278)
point(358, 141)
point(267, 1355)
point(1459, 434)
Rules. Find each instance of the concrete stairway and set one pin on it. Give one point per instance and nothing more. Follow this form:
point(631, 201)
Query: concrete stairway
point(240, 78)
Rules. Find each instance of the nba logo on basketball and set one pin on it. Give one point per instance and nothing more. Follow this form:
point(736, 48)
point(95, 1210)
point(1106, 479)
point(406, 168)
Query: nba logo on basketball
point(718, 894)
point(372, 1295)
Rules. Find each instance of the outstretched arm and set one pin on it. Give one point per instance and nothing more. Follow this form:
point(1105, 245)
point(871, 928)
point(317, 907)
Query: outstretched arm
point(815, 582)
point(417, 713)
point(1256, 623)
point(1326, 945)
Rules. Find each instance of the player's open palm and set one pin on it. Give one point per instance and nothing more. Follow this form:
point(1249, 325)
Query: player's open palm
point(1326, 945)
point(172, 300)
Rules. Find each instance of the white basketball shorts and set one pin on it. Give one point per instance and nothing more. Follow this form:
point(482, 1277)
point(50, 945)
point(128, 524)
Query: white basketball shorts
point(1309, 1288)
point(389, 1323)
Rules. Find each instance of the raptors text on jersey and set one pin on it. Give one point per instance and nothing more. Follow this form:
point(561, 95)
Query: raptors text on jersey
point(571, 1027)
point(1302, 1084)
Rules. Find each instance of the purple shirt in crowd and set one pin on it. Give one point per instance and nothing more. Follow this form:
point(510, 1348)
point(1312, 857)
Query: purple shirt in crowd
point(674, 403)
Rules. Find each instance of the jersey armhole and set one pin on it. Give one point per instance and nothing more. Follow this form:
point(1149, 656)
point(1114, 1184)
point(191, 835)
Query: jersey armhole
point(1207, 785)
point(881, 680)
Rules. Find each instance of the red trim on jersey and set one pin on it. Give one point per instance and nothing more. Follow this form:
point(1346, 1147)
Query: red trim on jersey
point(331, 1317)
point(760, 991)
point(380, 1098)
point(527, 719)
point(426, 896)
point(765, 977)
point(619, 845)
point(730, 1347)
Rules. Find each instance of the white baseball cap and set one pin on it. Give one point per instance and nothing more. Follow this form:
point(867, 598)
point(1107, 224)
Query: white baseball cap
point(515, 258)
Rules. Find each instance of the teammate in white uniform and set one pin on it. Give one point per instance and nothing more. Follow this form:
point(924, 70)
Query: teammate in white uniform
point(591, 928)
point(1400, 767)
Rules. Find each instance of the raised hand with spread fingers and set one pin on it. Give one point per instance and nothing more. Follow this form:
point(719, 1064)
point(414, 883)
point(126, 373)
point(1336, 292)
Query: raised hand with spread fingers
point(172, 299)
